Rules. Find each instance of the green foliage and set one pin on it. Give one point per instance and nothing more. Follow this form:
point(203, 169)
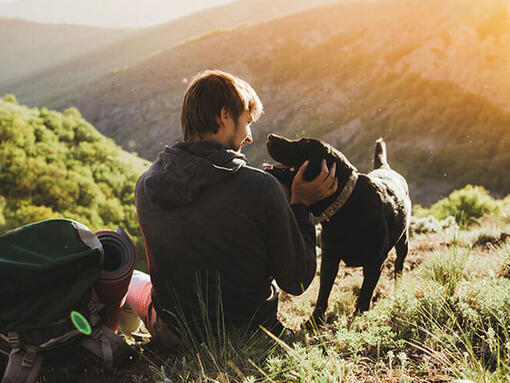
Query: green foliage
point(467, 205)
point(57, 165)
point(447, 269)
point(310, 364)
point(419, 211)
point(2, 208)
point(466, 327)
point(9, 97)
point(72, 111)
point(430, 224)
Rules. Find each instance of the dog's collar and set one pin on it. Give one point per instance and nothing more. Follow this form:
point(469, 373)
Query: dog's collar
point(339, 201)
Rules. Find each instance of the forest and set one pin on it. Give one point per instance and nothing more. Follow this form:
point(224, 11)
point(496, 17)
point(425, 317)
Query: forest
point(57, 165)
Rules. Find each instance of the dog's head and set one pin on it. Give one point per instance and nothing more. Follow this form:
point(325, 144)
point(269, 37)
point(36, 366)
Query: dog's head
point(292, 153)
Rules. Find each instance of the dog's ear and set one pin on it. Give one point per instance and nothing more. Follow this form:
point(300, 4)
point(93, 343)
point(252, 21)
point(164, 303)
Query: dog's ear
point(317, 151)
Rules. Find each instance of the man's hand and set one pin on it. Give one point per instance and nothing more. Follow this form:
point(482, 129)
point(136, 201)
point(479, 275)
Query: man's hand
point(308, 193)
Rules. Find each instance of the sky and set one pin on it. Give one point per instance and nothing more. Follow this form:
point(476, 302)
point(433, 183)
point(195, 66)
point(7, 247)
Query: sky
point(104, 13)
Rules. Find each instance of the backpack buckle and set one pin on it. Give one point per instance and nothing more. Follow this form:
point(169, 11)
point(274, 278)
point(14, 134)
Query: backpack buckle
point(14, 340)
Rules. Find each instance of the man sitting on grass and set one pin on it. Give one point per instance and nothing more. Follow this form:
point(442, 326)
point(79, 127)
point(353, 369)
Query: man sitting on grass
point(217, 231)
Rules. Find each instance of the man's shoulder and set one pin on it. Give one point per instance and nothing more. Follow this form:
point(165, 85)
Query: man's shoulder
point(254, 172)
point(256, 175)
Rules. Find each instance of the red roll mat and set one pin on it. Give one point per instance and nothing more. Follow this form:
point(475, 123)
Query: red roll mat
point(118, 266)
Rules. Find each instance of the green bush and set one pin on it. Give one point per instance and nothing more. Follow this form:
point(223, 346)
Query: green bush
point(468, 325)
point(2, 208)
point(9, 97)
point(58, 165)
point(430, 224)
point(467, 205)
point(447, 269)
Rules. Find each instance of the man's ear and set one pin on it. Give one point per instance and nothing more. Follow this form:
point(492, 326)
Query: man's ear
point(223, 117)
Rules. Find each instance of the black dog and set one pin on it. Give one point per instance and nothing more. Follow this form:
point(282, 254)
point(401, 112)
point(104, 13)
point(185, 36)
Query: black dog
point(366, 217)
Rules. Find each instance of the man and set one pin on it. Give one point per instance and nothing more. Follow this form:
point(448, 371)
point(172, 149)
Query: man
point(217, 232)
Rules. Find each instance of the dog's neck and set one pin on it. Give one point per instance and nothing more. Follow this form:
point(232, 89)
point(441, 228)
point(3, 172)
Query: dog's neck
point(343, 173)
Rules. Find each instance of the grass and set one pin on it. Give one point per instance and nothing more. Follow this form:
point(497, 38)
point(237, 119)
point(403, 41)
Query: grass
point(448, 317)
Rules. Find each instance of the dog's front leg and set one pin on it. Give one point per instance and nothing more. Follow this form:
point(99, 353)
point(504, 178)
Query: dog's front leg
point(371, 274)
point(329, 270)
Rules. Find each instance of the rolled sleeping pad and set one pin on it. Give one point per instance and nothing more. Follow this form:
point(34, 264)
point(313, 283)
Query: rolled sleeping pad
point(118, 266)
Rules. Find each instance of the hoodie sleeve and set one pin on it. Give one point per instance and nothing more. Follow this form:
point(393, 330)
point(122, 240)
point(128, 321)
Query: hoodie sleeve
point(290, 240)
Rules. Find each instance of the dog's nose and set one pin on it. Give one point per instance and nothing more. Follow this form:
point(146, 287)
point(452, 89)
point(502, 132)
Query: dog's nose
point(270, 137)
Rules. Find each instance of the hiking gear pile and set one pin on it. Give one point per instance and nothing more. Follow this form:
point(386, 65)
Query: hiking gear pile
point(47, 271)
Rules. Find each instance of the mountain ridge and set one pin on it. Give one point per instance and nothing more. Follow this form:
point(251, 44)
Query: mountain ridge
point(356, 79)
point(103, 13)
point(48, 87)
point(29, 47)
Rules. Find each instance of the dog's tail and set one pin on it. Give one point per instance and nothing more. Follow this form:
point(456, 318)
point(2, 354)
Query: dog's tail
point(380, 154)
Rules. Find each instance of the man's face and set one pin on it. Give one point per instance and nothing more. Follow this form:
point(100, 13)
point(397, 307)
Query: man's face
point(240, 134)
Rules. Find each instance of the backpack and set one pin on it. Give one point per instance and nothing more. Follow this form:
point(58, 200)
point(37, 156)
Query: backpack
point(47, 273)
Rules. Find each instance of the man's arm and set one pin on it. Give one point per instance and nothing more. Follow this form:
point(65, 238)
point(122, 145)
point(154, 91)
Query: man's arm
point(290, 240)
point(292, 252)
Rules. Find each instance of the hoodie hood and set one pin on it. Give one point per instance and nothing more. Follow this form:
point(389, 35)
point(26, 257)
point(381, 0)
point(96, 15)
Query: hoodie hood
point(181, 171)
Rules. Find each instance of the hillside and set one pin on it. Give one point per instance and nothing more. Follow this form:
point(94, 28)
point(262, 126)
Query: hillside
point(102, 13)
point(49, 85)
point(29, 47)
point(447, 318)
point(431, 77)
point(57, 165)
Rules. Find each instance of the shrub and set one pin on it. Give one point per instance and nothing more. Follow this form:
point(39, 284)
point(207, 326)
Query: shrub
point(10, 98)
point(2, 208)
point(447, 269)
point(72, 111)
point(467, 205)
point(48, 169)
point(430, 224)
point(419, 211)
point(314, 363)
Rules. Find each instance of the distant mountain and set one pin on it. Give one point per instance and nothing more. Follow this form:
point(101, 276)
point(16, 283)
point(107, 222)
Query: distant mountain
point(431, 77)
point(48, 86)
point(103, 13)
point(27, 47)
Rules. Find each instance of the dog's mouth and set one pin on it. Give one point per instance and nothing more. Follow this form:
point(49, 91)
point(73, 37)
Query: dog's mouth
point(267, 166)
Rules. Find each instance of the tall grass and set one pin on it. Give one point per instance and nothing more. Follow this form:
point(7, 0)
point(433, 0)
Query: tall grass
point(211, 349)
point(447, 269)
point(448, 319)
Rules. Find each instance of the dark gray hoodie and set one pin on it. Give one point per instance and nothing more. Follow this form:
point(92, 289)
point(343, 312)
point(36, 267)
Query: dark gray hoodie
point(214, 225)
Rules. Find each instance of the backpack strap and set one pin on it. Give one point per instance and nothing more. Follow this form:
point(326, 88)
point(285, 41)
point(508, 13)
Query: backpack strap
point(106, 345)
point(94, 307)
point(103, 342)
point(25, 362)
point(98, 344)
point(23, 366)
